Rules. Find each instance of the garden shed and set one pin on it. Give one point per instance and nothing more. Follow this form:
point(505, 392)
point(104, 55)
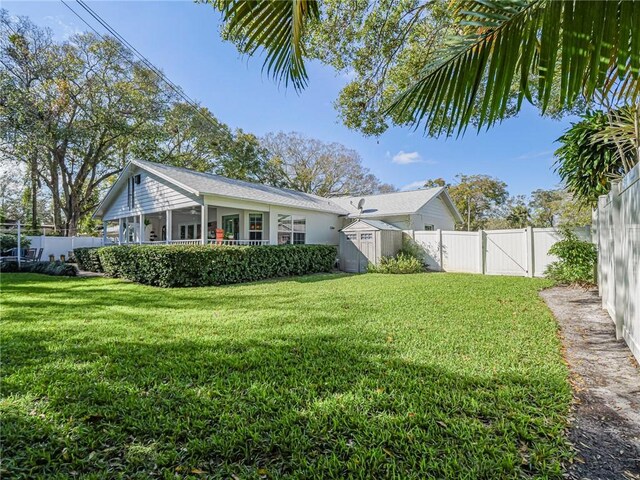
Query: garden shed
point(367, 241)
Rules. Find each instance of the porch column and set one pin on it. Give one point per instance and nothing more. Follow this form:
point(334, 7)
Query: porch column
point(168, 225)
point(273, 227)
point(120, 232)
point(104, 232)
point(204, 221)
point(141, 228)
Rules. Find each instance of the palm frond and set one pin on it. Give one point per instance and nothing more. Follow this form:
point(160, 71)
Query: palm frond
point(277, 26)
point(582, 46)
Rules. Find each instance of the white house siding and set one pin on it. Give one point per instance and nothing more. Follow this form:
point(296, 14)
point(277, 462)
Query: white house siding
point(319, 225)
point(433, 213)
point(153, 194)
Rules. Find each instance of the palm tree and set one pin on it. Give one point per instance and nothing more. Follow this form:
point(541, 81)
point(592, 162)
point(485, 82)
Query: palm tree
point(579, 47)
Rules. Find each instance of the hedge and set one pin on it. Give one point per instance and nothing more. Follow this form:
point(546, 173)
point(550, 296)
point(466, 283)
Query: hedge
point(87, 259)
point(194, 266)
point(47, 268)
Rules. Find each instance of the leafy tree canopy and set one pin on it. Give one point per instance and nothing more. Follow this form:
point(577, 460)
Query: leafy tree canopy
point(75, 112)
point(447, 65)
point(590, 157)
point(313, 166)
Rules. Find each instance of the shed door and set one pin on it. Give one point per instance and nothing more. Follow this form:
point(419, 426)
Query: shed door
point(368, 249)
point(351, 255)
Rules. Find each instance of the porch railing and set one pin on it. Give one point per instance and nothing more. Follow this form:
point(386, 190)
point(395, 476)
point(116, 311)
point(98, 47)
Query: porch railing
point(239, 242)
point(197, 241)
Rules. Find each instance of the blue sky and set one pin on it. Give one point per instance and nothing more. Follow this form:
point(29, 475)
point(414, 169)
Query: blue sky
point(182, 38)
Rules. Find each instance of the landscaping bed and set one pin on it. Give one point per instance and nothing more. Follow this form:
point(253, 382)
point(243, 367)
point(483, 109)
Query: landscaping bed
point(323, 376)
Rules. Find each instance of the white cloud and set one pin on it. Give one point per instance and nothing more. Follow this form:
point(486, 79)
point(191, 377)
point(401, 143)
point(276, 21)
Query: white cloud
point(413, 185)
point(532, 155)
point(66, 29)
point(405, 158)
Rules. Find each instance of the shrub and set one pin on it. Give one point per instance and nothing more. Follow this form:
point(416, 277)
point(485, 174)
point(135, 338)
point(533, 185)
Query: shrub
point(401, 263)
point(10, 240)
point(88, 259)
point(577, 260)
point(193, 266)
point(46, 268)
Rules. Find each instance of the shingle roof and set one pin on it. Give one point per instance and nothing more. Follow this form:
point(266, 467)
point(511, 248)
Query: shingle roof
point(378, 224)
point(206, 183)
point(387, 204)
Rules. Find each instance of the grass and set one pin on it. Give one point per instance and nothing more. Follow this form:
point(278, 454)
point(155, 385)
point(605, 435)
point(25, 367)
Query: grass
point(327, 376)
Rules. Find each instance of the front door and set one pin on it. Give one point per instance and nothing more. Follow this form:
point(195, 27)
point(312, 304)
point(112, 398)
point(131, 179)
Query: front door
point(231, 226)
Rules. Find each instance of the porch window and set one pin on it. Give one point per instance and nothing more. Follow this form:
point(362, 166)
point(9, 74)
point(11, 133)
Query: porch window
point(255, 226)
point(188, 231)
point(291, 229)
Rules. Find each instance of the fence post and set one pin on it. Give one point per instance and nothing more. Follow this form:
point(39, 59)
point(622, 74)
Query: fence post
point(619, 268)
point(530, 251)
point(19, 244)
point(440, 254)
point(481, 252)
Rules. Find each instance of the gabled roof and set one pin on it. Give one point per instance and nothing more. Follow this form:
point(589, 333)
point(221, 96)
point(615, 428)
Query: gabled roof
point(199, 184)
point(376, 224)
point(396, 203)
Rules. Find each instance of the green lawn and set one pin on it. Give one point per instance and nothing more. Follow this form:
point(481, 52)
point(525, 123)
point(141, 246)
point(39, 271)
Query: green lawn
point(328, 376)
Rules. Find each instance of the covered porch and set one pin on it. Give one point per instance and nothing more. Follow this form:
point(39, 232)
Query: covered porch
point(184, 226)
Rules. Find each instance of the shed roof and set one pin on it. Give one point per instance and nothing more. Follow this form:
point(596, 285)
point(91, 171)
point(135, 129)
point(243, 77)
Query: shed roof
point(374, 224)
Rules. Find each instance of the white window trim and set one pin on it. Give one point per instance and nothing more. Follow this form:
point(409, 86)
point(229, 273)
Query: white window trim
point(261, 231)
point(186, 229)
point(291, 232)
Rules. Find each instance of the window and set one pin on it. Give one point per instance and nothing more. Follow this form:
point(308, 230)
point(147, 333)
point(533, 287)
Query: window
point(284, 229)
point(299, 230)
point(429, 227)
point(292, 229)
point(352, 236)
point(366, 236)
point(255, 226)
point(189, 231)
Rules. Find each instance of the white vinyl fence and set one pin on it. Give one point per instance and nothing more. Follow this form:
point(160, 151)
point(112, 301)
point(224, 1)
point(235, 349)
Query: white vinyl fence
point(57, 246)
point(519, 252)
point(616, 231)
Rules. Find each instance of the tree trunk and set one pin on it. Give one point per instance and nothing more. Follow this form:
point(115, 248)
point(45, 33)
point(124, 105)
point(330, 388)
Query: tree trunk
point(34, 192)
point(55, 195)
point(74, 213)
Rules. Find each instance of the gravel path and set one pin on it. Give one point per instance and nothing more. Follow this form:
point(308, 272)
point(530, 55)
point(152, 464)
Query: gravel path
point(605, 423)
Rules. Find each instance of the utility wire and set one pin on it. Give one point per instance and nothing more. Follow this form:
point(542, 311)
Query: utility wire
point(145, 61)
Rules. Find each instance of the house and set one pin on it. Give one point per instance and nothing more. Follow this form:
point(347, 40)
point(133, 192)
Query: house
point(155, 203)
point(426, 209)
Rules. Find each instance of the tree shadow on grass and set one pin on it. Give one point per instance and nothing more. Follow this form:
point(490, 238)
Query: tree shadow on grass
point(304, 405)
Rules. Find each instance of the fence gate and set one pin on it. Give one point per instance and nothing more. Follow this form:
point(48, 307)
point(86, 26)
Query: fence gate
point(506, 252)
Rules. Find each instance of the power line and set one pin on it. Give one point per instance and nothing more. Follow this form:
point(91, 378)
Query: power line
point(145, 61)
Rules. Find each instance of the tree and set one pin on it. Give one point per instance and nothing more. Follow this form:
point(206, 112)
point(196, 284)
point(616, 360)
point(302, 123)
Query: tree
point(555, 208)
point(196, 139)
point(544, 47)
point(313, 166)
point(75, 113)
point(479, 198)
point(587, 160)
point(84, 112)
